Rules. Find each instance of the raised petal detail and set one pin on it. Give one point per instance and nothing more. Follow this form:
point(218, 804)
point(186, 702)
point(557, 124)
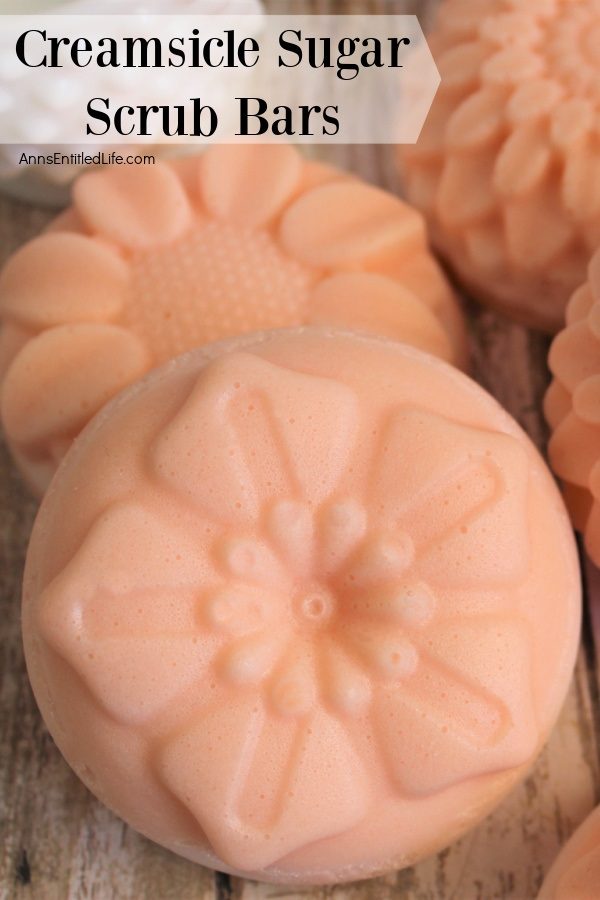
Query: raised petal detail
point(381, 559)
point(574, 355)
point(510, 29)
point(557, 403)
point(467, 710)
point(340, 224)
point(291, 528)
point(465, 193)
point(136, 206)
point(378, 305)
point(342, 525)
point(573, 450)
point(459, 66)
point(251, 658)
point(523, 161)
point(572, 121)
point(344, 684)
point(123, 612)
point(238, 419)
point(252, 561)
point(293, 689)
point(511, 66)
point(580, 304)
point(388, 654)
point(534, 100)
point(236, 608)
point(410, 604)
point(586, 400)
point(224, 768)
point(64, 375)
point(249, 183)
point(59, 278)
point(453, 494)
point(594, 277)
point(478, 120)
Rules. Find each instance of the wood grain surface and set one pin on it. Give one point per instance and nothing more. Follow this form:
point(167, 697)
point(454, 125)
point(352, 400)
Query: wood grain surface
point(58, 843)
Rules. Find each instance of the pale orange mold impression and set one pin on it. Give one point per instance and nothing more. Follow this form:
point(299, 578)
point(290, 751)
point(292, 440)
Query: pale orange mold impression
point(172, 256)
point(507, 169)
point(316, 593)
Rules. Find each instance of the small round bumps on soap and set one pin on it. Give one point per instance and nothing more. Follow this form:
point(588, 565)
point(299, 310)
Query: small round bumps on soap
point(152, 261)
point(575, 875)
point(312, 609)
point(572, 407)
point(507, 168)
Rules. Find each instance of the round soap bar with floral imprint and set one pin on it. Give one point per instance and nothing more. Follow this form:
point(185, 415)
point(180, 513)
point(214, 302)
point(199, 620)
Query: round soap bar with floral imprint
point(312, 607)
point(154, 260)
point(572, 406)
point(507, 168)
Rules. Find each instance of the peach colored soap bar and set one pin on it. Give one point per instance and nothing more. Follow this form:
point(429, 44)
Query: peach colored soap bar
point(507, 168)
point(572, 407)
point(155, 260)
point(576, 873)
point(312, 607)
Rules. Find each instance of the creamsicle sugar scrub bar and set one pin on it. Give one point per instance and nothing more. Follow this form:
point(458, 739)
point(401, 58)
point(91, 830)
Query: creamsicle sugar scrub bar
point(302, 602)
point(154, 260)
point(313, 608)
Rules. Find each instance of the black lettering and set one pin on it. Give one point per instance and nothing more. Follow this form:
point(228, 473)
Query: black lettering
point(20, 48)
point(293, 48)
point(99, 115)
point(246, 114)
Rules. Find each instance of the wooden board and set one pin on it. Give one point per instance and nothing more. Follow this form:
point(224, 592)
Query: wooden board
point(58, 843)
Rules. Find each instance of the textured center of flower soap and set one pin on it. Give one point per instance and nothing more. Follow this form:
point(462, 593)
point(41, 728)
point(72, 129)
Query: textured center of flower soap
point(315, 608)
point(216, 282)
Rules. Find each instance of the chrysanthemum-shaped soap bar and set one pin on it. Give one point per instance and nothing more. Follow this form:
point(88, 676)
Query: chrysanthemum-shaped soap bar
point(572, 408)
point(312, 607)
point(576, 873)
point(154, 260)
point(507, 169)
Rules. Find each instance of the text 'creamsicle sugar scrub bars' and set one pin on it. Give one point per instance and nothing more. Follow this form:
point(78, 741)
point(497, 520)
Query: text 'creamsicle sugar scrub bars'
point(507, 168)
point(575, 874)
point(39, 112)
point(151, 261)
point(572, 408)
point(312, 609)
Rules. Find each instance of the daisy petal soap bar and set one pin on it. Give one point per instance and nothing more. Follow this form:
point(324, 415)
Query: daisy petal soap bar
point(576, 873)
point(507, 168)
point(572, 407)
point(312, 609)
point(154, 260)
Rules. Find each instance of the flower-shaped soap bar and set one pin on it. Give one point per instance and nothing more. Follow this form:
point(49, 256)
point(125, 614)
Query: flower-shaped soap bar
point(312, 607)
point(155, 260)
point(572, 407)
point(575, 874)
point(507, 168)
